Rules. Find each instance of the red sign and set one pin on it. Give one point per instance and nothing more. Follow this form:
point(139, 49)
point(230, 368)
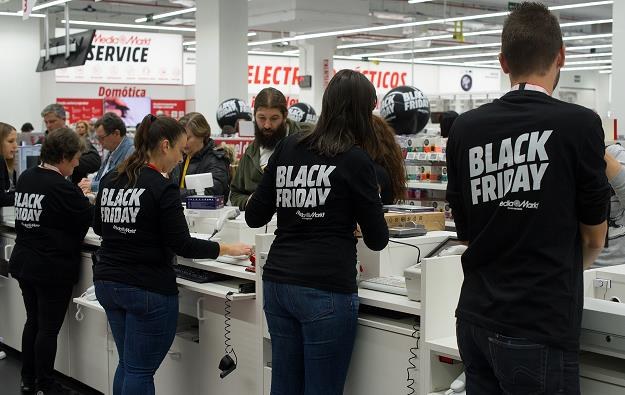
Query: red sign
point(81, 109)
point(239, 144)
point(170, 108)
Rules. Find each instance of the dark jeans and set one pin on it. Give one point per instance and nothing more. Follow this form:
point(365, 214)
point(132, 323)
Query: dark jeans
point(312, 338)
point(143, 324)
point(45, 312)
point(497, 364)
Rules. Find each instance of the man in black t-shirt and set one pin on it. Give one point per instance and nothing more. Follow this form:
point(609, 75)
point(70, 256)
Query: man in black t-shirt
point(529, 195)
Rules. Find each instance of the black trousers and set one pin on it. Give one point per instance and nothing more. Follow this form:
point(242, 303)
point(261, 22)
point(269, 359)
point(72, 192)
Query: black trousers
point(45, 311)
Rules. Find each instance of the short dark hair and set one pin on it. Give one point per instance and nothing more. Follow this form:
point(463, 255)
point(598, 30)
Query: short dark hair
point(346, 115)
point(111, 122)
point(271, 98)
point(61, 143)
point(531, 39)
point(27, 127)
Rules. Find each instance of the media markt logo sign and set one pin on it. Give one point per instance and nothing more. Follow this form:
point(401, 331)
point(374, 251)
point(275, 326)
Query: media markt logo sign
point(518, 205)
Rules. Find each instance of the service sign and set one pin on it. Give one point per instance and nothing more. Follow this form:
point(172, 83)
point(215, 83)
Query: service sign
point(129, 58)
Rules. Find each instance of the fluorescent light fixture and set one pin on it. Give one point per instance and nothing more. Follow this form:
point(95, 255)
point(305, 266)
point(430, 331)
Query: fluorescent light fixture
point(469, 55)
point(606, 71)
point(186, 43)
point(588, 62)
point(422, 50)
point(586, 68)
point(268, 53)
point(191, 49)
point(50, 4)
point(585, 23)
point(167, 14)
point(251, 34)
point(588, 55)
point(20, 13)
point(418, 23)
point(131, 26)
point(584, 47)
point(417, 1)
point(587, 37)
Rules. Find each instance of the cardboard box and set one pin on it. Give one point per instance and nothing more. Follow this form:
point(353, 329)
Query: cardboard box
point(431, 220)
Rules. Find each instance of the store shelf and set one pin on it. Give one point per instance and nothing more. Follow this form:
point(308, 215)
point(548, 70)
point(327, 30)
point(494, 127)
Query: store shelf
point(389, 301)
point(401, 326)
point(446, 345)
point(219, 267)
point(217, 289)
point(90, 304)
point(437, 186)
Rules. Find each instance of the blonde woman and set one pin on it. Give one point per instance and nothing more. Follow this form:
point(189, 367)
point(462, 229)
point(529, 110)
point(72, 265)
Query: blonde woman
point(8, 178)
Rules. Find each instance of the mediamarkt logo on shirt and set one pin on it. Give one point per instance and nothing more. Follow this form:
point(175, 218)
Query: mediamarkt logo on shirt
point(28, 208)
point(519, 166)
point(310, 187)
point(120, 206)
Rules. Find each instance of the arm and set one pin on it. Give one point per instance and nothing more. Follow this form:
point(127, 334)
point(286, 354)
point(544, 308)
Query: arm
point(262, 203)
point(369, 214)
point(593, 241)
point(7, 199)
point(454, 188)
point(615, 171)
point(76, 206)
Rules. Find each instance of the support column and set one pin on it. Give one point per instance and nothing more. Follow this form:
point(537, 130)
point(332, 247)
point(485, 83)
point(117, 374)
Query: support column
point(221, 54)
point(315, 59)
point(617, 104)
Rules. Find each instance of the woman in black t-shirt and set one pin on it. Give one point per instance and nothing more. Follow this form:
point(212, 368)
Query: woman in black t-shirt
point(140, 218)
point(51, 219)
point(320, 184)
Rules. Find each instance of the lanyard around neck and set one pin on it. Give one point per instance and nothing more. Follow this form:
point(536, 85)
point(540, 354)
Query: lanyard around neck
point(50, 167)
point(524, 86)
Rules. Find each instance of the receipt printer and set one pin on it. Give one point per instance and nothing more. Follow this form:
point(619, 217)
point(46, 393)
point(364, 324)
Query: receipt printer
point(412, 275)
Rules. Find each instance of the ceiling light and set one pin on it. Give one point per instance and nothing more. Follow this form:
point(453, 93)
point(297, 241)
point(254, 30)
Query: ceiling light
point(20, 13)
point(587, 37)
point(131, 26)
point(184, 44)
point(585, 23)
point(584, 47)
point(420, 23)
point(469, 55)
point(50, 4)
point(421, 50)
point(251, 34)
point(166, 15)
point(417, 1)
point(589, 55)
point(588, 62)
point(607, 71)
point(586, 68)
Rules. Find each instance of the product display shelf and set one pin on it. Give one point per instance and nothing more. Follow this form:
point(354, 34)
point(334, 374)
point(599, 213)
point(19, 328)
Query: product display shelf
point(438, 186)
point(217, 289)
point(218, 267)
point(389, 301)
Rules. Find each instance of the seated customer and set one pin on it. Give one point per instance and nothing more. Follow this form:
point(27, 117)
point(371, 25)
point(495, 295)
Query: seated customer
point(201, 156)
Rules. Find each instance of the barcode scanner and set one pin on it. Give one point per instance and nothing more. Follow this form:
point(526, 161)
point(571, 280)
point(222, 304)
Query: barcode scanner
point(226, 365)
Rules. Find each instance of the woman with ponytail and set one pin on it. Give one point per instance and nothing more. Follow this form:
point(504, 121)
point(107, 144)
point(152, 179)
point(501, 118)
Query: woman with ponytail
point(140, 218)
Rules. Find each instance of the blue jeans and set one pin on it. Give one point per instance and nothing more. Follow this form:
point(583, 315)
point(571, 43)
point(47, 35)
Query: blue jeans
point(143, 325)
point(497, 364)
point(312, 338)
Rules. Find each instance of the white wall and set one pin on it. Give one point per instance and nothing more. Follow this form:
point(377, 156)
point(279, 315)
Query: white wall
point(20, 85)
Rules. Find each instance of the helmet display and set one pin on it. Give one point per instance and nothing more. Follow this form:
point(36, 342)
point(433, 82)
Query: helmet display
point(406, 109)
point(229, 111)
point(302, 112)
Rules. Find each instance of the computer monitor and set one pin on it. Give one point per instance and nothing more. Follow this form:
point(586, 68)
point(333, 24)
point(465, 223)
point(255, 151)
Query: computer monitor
point(27, 157)
point(30, 138)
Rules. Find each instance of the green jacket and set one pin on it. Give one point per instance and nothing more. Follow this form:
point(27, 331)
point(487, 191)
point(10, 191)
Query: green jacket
point(249, 173)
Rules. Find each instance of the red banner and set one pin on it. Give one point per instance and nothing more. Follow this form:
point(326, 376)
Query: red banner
point(81, 109)
point(170, 108)
point(239, 144)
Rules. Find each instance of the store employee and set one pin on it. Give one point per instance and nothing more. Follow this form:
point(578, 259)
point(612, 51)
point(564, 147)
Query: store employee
point(529, 194)
point(140, 217)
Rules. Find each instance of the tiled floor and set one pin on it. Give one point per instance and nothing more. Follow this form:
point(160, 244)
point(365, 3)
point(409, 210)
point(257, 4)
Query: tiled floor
point(10, 377)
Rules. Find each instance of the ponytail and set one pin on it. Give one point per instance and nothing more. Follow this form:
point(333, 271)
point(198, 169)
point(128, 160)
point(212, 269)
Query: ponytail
point(150, 133)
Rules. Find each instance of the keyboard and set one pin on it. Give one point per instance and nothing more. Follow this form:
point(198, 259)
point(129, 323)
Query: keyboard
point(197, 275)
point(394, 284)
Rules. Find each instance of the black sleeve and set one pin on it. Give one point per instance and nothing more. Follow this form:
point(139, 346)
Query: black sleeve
point(97, 219)
point(7, 198)
point(454, 185)
point(89, 162)
point(384, 183)
point(76, 208)
point(262, 205)
point(366, 198)
point(175, 231)
point(593, 189)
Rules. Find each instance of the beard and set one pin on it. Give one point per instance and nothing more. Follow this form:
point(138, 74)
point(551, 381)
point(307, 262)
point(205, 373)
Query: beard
point(273, 136)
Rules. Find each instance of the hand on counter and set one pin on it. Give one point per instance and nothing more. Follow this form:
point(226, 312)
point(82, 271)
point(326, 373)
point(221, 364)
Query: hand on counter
point(235, 249)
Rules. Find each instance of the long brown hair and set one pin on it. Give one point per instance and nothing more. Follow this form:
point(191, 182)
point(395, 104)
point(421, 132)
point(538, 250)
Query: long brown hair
point(150, 133)
point(345, 118)
point(197, 124)
point(5, 130)
point(385, 151)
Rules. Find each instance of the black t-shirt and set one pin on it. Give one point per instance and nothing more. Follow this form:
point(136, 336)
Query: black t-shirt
point(524, 171)
point(143, 227)
point(318, 201)
point(52, 217)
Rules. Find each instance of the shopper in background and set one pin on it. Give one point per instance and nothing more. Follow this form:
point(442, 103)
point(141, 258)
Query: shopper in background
point(134, 278)
point(388, 161)
point(82, 128)
point(446, 121)
point(27, 127)
point(529, 194)
point(202, 156)
point(52, 218)
point(614, 252)
point(271, 124)
point(320, 183)
point(8, 176)
point(110, 131)
point(54, 117)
